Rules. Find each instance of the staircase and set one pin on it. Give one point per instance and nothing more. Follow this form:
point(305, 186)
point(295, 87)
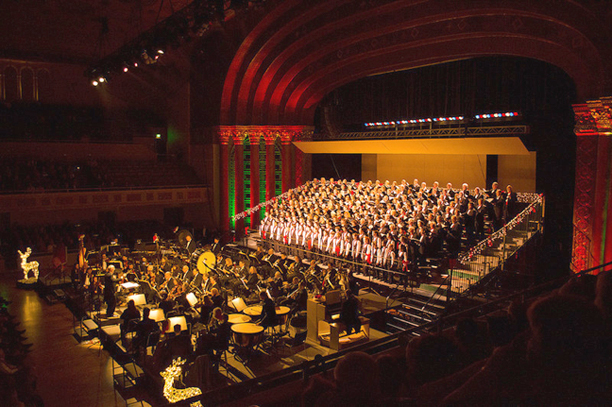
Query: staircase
point(417, 310)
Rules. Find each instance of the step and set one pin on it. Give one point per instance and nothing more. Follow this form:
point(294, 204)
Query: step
point(415, 314)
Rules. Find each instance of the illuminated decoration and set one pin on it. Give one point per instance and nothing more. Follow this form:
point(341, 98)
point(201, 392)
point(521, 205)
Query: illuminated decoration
point(465, 257)
point(172, 394)
point(28, 266)
point(449, 119)
point(496, 115)
point(269, 202)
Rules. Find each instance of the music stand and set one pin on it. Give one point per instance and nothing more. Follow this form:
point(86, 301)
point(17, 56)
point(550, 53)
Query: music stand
point(157, 315)
point(238, 304)
point(139, 299)
point(176, 321)
point(191, 299)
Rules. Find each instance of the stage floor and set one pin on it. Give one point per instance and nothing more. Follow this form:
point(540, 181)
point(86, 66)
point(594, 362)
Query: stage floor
point(82, 372)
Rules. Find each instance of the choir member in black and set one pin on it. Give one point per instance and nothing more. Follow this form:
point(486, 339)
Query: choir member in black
point(469, 219)
point(349, 314)
point(479, 220)
point(510, 207)
point(268, 311)
point(110, 290)
point(454, 236)
point(492, 193)
point(499, 203)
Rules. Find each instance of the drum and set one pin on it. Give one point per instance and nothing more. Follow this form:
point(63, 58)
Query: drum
point(247, 335)
point(253, 311)
point(205, 261)
point(282, 313)
point(238, 319)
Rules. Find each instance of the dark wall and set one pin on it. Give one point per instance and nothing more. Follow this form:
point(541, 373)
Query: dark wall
point(337, 166)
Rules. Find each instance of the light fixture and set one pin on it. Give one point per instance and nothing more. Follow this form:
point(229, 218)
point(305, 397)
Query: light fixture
point(158, 136)
point(172, 394)
point(94, 82)
point(125, 69)
point(101, 80)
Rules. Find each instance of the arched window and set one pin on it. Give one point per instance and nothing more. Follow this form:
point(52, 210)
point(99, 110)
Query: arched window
point(44, 86)
point(27, 85)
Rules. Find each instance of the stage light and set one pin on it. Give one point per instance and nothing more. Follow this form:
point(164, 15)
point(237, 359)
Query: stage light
point(158, 136)
point(101, 80)
point(125, 69)
point(94, 82)
point(160, 51)
point(136, 64)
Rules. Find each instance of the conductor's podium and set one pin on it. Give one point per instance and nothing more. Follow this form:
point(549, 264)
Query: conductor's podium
point(332, 334)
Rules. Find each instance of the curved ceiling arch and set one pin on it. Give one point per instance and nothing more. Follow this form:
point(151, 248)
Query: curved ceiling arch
point(298, 53)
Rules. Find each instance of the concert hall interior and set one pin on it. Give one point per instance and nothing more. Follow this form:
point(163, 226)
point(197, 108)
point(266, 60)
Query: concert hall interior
point(305, 203)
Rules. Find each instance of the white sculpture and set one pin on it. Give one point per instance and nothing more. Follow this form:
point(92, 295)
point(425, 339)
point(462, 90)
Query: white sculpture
point(27, 266)
point(171, 393)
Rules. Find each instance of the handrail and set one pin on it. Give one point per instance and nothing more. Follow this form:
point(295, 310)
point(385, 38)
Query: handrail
point(305, 369)
point(442, 284)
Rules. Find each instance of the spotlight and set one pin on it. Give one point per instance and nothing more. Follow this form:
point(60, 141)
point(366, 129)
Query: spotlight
point(101, 80)
point(94, 82)
point(160, 51)
point(125, 69)
point(136, 64)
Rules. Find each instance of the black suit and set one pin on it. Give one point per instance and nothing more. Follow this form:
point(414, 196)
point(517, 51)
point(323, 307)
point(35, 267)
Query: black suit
point(349, 315)
point(109, 293)
point(191, 247)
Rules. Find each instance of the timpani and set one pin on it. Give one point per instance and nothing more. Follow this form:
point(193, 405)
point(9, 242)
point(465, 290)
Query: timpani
point(282, 313)
point(253, 311)
point(238, 319)
point(247, 335)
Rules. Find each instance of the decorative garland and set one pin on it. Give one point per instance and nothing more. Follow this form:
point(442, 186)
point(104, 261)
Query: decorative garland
point(488, 242)
point(269, 202)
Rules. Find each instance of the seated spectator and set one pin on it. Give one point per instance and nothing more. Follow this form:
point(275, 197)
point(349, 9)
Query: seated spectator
point(356, 382)
point(560, 361)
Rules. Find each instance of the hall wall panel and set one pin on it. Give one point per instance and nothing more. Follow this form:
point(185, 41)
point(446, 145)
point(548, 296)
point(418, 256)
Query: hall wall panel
point(444, 168)
point(518, 171)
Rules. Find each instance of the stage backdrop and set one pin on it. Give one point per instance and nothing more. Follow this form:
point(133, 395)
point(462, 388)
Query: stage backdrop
point(517, 170)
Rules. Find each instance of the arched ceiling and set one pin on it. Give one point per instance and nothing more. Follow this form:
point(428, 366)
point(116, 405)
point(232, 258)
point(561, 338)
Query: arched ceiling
point(301, 50)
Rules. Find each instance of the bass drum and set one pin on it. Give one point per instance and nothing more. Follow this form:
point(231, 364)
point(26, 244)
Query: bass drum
point(203, 261)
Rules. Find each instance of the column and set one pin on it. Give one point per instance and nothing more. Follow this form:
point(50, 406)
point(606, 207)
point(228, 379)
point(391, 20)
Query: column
point(287, 161)
point(224, 201)
point(254, 140)
point(592, 243)
point(239, 183)
point(270, 171)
